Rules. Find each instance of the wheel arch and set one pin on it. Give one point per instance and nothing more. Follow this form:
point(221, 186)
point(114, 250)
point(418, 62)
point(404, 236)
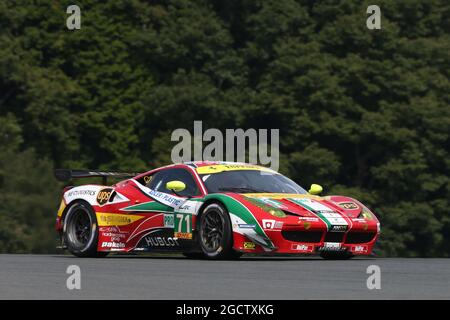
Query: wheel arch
point(243, 214)
point(210, 199)
point(70, 205)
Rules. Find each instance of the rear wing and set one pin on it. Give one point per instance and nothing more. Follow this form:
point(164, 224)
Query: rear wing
point(69, 174)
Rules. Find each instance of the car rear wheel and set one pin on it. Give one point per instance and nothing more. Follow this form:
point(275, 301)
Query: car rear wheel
point(81, 232)
point(215, 233)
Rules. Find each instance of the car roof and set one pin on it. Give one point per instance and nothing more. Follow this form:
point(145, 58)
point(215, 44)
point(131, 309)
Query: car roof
point(198, 164)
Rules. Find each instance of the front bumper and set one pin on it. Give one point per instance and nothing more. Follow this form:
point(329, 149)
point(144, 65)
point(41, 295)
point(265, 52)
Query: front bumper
point(358, 239)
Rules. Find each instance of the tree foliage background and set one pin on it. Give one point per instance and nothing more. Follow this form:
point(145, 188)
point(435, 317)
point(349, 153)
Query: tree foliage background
point(363, 112)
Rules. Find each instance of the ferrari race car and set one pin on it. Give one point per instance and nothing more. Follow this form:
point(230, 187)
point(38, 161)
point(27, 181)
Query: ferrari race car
point(217, 210)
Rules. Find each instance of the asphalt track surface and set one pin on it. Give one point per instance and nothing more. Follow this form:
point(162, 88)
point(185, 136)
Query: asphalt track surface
point(176, 277)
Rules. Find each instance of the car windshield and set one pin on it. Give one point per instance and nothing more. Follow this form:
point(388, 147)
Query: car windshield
point(250, 181)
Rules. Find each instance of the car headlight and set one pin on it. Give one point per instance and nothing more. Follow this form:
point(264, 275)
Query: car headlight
point(366, 214)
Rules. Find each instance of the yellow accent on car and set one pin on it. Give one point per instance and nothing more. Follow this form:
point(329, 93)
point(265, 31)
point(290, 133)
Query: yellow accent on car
point(315, 189)
point(62, 206)
point(183, 235)
point(116, 219)
point(175, 185)
point(249, 245)
point(231, 167)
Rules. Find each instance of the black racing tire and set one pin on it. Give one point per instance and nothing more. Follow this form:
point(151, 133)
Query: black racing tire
point(215, 233)
point(80, 231)
point(336, 255)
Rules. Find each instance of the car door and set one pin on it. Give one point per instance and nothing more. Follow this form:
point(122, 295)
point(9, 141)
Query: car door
point(183, 218)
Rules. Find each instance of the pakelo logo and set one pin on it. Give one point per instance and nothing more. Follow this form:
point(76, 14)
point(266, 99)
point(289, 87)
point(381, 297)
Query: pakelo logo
point(272, 224)
point(113, 245)
point(103, 196)
point(348, 205)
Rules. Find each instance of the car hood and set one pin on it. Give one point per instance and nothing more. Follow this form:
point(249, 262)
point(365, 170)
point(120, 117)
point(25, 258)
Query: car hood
point(305, 204)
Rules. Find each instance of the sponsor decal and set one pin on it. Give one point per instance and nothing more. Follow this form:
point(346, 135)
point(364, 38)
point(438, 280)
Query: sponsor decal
point(165, 198)
point(272, 224)
point(114, 236)
point(77, 193)
point(169, 220)
point(251, 233)
point(104, 195)
point(111, 229)
point(338, 228)
point(113, 245)
point(246, 226)
point(183, 226)
point(190, 207)
point(331, 246)
point(161, 241)
point(249, 245)
point(360, 249)
point(348, 205)
point(116, 219)
point(310, 219)
point(230, 167)
point(183, 235)
point(147, 179)
point(302, 247)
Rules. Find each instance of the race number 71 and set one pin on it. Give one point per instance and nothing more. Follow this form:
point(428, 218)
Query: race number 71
point(183, 223)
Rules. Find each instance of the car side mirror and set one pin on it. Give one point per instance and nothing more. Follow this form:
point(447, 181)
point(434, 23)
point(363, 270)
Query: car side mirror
point(315, 189)
point(175, 186)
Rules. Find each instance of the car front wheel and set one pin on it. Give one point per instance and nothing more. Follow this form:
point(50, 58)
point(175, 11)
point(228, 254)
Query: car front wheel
point(215, 233)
